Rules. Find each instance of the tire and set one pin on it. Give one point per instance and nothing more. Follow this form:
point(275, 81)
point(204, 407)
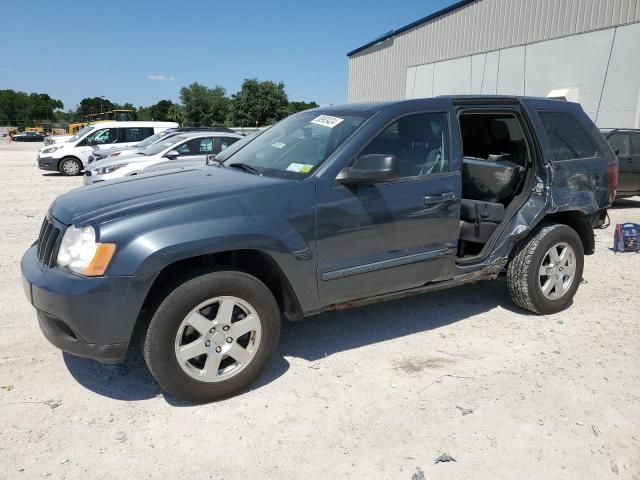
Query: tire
point(70, 167)
point(170, 330)
point(540, 293)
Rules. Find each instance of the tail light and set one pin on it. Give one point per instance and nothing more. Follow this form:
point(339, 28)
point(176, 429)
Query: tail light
point(613, 179)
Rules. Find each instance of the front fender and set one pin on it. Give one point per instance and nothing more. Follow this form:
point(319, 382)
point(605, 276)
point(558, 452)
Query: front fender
point(149, 243)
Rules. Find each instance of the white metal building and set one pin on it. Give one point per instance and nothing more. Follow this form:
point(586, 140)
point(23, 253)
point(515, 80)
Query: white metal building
point(584, 50)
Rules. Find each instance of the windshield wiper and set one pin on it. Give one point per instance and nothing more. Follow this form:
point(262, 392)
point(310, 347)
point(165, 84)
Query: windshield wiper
point(246, 167)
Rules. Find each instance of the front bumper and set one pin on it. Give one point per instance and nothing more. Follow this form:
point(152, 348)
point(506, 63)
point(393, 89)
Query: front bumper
point(90, 177)
point(48, 163)
point(89, 317)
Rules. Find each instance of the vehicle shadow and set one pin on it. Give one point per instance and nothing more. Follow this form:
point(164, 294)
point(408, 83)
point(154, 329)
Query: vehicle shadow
point(52, 174)
point(625, 203)
point(315, 338)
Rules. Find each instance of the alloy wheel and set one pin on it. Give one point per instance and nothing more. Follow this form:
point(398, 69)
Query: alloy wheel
point(557, 271)
point(218, 339)
point(70, 167)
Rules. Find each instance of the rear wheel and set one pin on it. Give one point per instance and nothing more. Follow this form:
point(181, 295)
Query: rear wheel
point(546, 270)
point(212, 336)
point(70, 167)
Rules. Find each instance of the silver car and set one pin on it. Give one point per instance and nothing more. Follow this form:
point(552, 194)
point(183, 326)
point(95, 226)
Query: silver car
point(185, 147)
point(225, 153)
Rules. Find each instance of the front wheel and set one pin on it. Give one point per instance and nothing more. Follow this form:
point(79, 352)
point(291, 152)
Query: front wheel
point(212, 336)
point(70, 167)
point(546, 270)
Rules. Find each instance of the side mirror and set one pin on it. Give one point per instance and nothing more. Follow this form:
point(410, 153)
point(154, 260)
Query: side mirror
point(616, 151)
point(172, 154)
point(370, 169)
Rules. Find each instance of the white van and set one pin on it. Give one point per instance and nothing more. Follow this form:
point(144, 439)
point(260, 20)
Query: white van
point(70, 157)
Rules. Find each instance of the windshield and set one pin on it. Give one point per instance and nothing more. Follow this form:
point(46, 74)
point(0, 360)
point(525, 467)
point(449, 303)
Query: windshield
point(154, 138)
point(161, 146)
point(299, 144)
point(80, 133)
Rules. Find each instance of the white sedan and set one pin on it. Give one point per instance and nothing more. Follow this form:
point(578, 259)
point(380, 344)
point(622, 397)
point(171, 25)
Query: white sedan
point(192, 146)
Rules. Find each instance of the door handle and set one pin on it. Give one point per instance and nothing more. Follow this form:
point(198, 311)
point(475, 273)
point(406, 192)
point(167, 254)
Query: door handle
point(443, 197)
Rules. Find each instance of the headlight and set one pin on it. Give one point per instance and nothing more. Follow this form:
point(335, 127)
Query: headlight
point(51, 149)
point(81, 254)
point(110, 168)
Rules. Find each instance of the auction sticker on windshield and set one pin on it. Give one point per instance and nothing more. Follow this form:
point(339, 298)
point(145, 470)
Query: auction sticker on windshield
point(327, 121)
point(299, 167)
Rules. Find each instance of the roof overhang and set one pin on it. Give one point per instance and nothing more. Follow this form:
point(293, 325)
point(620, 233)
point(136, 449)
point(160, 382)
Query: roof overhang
point(428, 18)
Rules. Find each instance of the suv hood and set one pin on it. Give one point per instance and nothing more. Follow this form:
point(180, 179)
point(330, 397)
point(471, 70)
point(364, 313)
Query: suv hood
point(106, 201)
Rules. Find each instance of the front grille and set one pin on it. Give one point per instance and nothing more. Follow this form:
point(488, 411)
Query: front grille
point(47, 248)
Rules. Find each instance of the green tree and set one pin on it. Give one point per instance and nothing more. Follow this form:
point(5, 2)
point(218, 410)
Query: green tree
point(158, 112)
point(94, 105)
point(295, 107)
point(204, 106)
point(258, 103)
point(176, 113)
point(20, 107)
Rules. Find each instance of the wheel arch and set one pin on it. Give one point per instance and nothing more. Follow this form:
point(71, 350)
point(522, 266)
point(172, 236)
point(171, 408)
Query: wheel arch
point(578, 221)
point(254, 262)
point(73, 157)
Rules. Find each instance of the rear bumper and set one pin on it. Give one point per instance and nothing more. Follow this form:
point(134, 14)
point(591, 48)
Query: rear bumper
point(90, 317)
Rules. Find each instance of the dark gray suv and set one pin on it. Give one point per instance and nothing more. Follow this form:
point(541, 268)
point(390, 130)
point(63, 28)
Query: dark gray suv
point(330, 208)
point(626, 144)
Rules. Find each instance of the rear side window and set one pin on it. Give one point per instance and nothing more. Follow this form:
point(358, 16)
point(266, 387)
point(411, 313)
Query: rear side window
point(134, 134)
point(622, 143)
point(635, 143)
point(567, 138)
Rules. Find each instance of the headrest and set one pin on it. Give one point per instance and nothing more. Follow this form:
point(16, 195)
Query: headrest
point(499, 130)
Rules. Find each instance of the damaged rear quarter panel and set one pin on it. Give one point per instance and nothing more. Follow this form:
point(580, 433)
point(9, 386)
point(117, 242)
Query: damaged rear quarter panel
point(579, 185)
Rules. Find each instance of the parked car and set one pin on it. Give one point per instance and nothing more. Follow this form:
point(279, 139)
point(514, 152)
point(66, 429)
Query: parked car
point(116, 151)
point(129, 149)
point(626, 144)
point(225, 153)
point(70, 157)
point(28, 137)
point(55, 139)
point(330, 208)
point(188, 146)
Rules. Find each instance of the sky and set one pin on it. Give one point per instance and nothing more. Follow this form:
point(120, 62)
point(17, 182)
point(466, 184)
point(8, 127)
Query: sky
point(141, 51)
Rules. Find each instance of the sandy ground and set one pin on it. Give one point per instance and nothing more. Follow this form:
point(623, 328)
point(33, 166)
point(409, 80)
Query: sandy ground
point(378, 392)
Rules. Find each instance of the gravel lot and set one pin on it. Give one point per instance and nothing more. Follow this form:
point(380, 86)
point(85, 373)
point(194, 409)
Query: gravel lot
point(377, 392)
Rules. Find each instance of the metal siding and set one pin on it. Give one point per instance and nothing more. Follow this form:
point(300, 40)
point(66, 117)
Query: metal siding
point(379, 72)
